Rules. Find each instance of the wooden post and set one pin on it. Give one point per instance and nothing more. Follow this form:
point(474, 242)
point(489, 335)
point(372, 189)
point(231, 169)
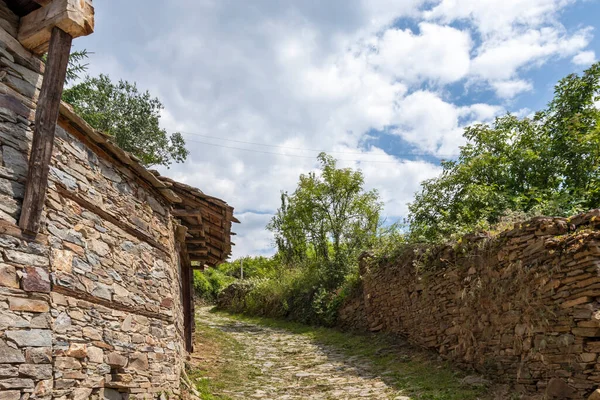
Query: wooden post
point(46, 117)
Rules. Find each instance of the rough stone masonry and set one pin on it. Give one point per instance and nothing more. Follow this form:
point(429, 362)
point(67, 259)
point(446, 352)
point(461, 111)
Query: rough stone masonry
point(92, 306)
point(521, 307)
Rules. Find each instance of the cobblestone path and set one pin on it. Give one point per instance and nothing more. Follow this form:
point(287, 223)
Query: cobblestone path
point(291, 366)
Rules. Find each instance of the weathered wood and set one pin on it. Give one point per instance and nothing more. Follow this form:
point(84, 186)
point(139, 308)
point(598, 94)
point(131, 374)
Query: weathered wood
point(187, 281)
point(43, 2)
point(45, 125)
point(186, 213)
point(74, 17)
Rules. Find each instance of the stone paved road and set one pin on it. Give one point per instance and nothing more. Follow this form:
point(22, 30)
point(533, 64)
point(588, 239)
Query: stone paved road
point(293, 367)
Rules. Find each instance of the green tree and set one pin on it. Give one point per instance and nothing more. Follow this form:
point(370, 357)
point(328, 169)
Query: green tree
point(329, 218)
point(545, 164)
point(132, 117)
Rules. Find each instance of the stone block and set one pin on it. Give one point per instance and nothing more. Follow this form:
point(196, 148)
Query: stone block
point(62, 260)
point(138, 361)
point(8, 371)
point(29, 305)
point(18, 257)
point(64, 363)
point(81, 394)
point(31, 338)
point(16, 383)
point(77, 350)
point(43, 388)
point(10, 395)
point(116, 360)
point(595, 395)
point(8, 276)
point(38, 355)
point(95, 355)
point(9, 355)
point(36, 280)
point(36, 371)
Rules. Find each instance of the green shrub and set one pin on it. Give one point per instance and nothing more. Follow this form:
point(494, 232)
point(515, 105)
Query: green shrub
point(297, 294)
point(208, 284)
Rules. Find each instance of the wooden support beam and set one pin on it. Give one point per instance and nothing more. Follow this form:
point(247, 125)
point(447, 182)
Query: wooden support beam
point(178, 212)
point(75, 17)
point(46, 117)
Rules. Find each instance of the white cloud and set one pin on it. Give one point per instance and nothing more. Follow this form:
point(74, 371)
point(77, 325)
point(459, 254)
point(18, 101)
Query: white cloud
point(308, 74)
point(510, 88)
point(498, 17)
point(437, 53)
point(584, 58)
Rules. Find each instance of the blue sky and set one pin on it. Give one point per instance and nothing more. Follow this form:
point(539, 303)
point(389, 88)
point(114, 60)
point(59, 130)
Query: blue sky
point(388, 85)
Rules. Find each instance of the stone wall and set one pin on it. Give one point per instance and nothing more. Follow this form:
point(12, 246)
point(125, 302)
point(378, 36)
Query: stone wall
point(91, 307)
point(522, 307)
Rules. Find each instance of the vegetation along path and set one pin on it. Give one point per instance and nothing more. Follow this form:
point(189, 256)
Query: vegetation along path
point(242, 358)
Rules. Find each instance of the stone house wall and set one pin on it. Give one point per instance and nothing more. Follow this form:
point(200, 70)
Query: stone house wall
point(522, 307)
point(91, 307)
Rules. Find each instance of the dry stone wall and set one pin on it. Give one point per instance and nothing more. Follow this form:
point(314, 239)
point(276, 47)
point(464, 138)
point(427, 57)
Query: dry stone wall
point(522, 307)
point(91, 307)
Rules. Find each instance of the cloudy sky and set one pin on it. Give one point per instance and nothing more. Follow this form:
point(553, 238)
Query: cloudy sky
point(259, 87)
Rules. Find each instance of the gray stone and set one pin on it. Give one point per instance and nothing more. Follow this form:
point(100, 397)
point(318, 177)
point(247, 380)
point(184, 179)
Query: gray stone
point(62, 322)
point(9, 242)
point(116, 360)
point(9, 355)
point(11, 320)
point(8, 371)
point(41, 321)
point(139, 361)
point(109, 173)
point(36, 371)
point(64, 178)
point(8, 115)
point(103, 291)
point(111, 394)
point(12, 188)
point(10, 395)
point(81, 394)
point(19, 257)
point(9, 205)
point(14, 161)
point(81, 265)
point(98, 247)
point(38, 355)
point(31, 338)
point(65, 234)
point(16, 383)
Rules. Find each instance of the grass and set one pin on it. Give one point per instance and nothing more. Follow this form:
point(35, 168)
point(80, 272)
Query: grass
point(210, 375)
point(418, 373)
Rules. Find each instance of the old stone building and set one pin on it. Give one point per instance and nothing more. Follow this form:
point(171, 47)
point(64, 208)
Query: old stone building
point(95, 289)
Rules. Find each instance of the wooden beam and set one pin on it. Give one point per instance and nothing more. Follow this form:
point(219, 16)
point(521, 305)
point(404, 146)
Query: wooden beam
point(75, 17)
point(115, 220)
point(46, 117)
point(43, 2)
point(178, 212)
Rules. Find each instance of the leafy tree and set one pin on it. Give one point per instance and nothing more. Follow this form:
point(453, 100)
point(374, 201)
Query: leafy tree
point(330, 218)
point(130, 116)
point(545, 164)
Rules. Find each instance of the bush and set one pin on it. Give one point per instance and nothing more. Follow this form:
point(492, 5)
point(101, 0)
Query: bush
point(208, 284)
point(297, 294)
